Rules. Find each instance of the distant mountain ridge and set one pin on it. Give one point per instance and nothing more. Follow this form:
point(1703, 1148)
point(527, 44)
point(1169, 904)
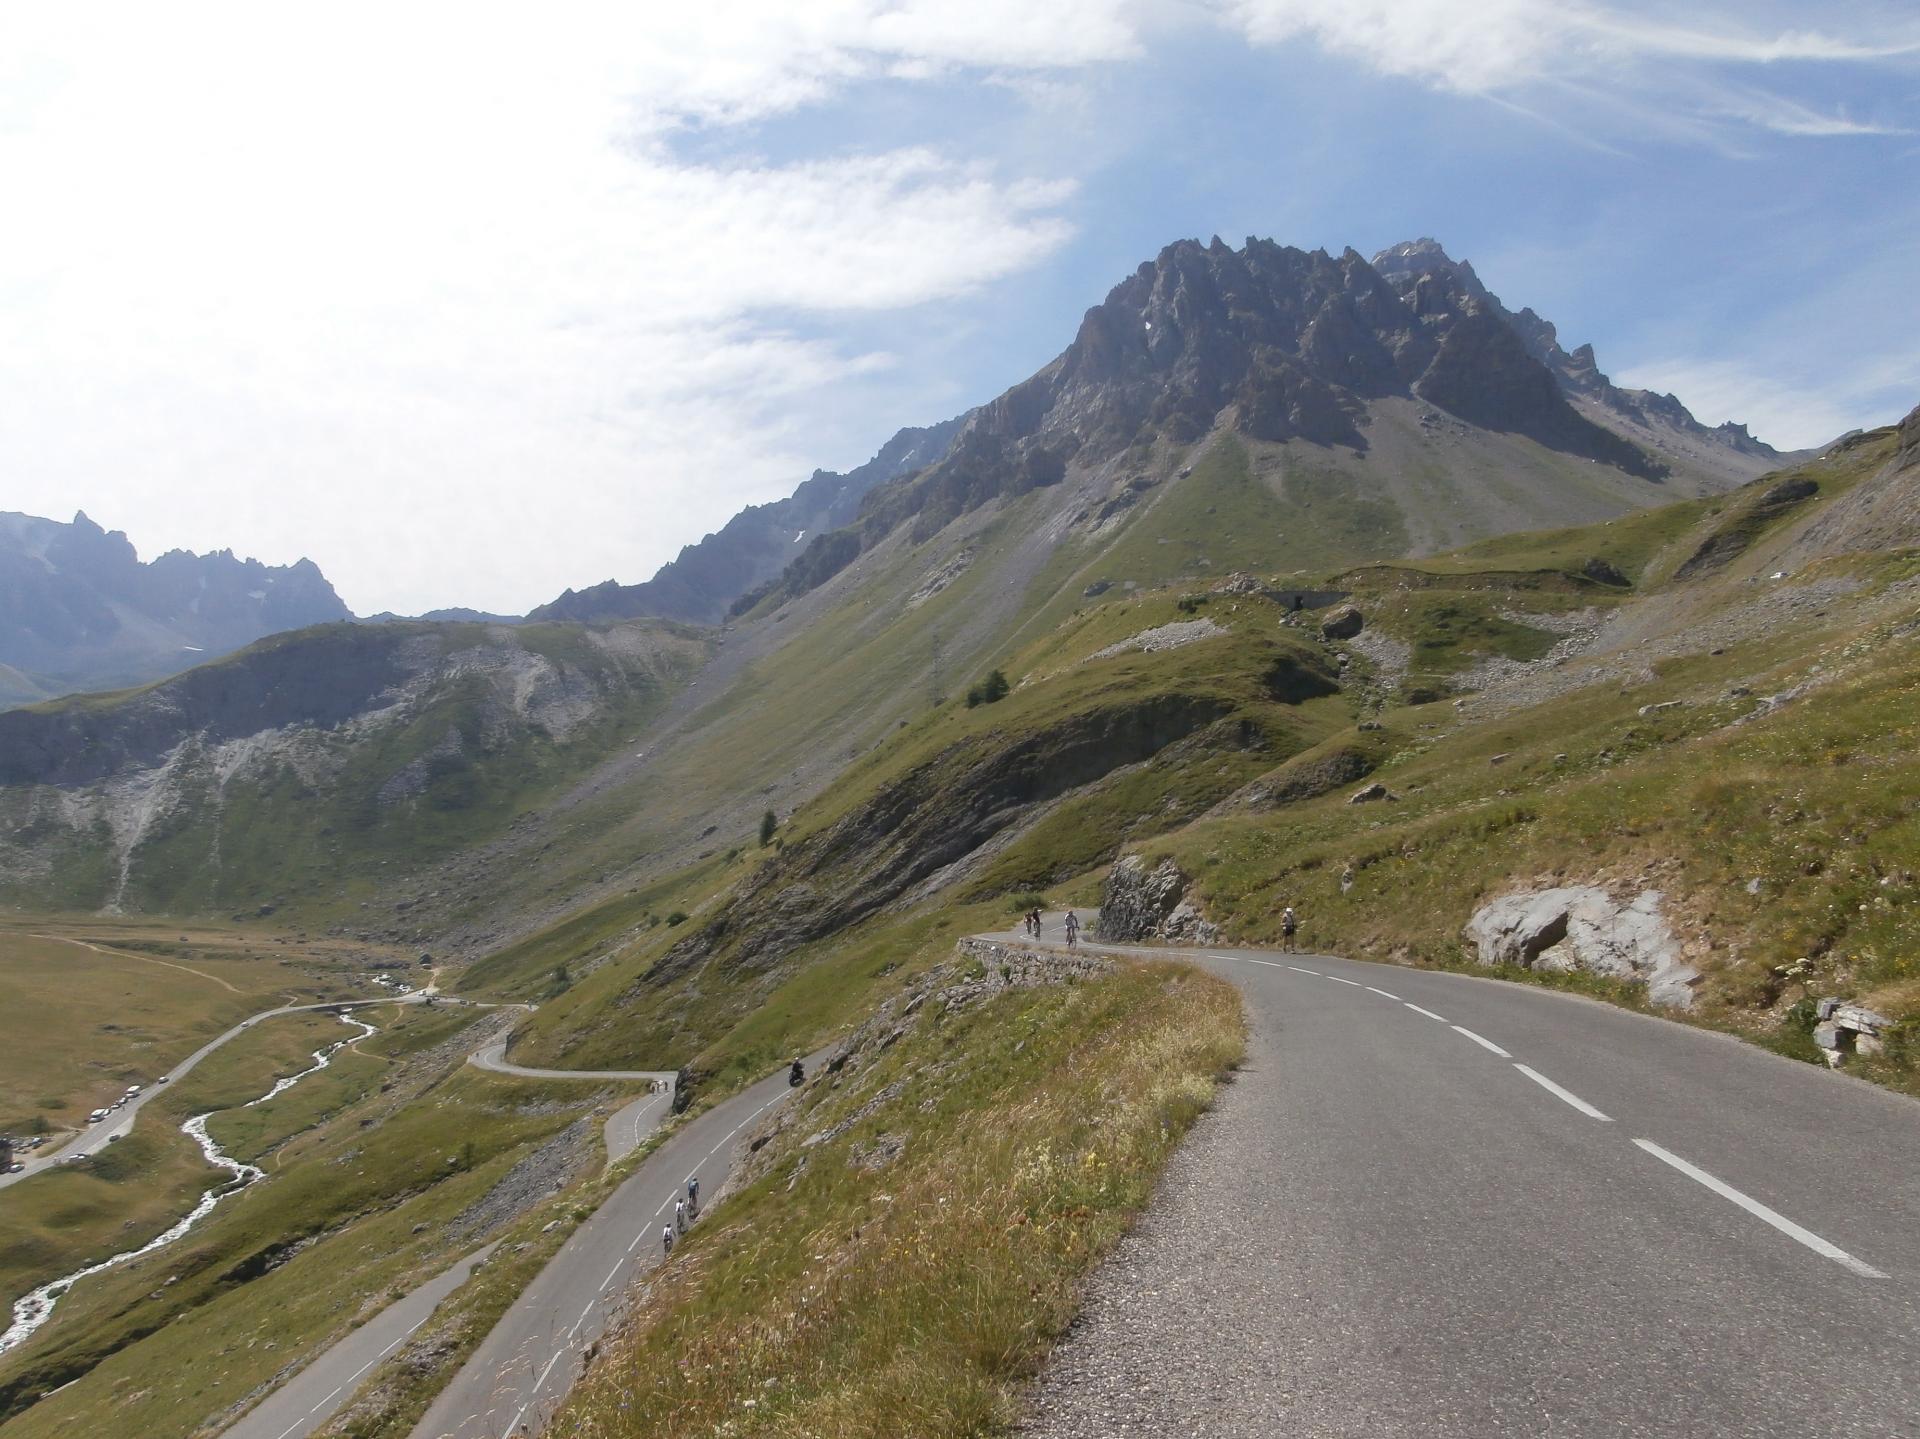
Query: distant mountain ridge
point(79, 610)
point(756, 544)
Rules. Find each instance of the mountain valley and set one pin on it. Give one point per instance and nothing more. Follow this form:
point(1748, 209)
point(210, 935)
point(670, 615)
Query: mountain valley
point(1307, 581)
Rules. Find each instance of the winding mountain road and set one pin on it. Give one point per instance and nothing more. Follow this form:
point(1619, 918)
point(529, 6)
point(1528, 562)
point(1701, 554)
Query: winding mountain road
point(1438, 1205)
point(119, 1122)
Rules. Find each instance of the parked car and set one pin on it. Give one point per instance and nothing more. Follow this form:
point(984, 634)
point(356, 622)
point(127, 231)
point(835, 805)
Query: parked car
point(96, 1116)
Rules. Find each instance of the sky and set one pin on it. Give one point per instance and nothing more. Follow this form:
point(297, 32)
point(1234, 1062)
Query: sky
point(473, 303)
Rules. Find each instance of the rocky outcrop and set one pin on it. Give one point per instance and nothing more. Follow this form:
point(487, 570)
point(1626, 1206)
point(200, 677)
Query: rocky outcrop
point(1141, 904)
point(1582, 927)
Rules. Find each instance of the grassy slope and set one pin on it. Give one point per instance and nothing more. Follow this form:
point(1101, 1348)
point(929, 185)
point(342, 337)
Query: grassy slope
point(612, 1016)
point(850, 1298)
point(1786, 845)
point(280, 837)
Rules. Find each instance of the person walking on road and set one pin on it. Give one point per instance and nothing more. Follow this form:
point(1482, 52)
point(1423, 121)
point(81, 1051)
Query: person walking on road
point(1073, 928)
point(1289, 926)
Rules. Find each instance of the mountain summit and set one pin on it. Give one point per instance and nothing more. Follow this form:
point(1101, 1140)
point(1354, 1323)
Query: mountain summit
point(1404, 375)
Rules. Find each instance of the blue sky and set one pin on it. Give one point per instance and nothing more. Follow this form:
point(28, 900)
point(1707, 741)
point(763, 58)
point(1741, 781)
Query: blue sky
point(472, 309)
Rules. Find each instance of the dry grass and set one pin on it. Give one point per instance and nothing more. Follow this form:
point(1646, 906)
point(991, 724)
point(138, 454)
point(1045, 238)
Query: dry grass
point(836, 1297)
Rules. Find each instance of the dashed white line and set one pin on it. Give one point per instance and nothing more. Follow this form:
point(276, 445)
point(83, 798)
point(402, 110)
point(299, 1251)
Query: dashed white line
point(1354, 982)
point(1384, 995)
point(1760, 1211)
point(1418, 1010)
point(1486, 1044)
point(1298, 970)
point(610, 1273)
point(1563, 1094)
point(335, 1390)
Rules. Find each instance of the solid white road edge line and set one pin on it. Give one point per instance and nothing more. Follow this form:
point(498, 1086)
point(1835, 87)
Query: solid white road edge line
point(1418, 1010)
point(1760, 1211)
point(1564, 1094)
point(1486, 1044)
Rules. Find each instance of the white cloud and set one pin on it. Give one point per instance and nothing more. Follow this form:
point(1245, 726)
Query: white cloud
point(1502, 48)
point(329, 281)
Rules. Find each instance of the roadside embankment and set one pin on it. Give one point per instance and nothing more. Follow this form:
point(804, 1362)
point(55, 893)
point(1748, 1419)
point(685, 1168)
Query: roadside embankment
point(905, 1241)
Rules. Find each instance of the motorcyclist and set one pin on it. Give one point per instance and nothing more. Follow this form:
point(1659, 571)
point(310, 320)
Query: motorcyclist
point(797, 1075)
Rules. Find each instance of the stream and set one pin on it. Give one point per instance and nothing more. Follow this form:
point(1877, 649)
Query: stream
point(36, 1308)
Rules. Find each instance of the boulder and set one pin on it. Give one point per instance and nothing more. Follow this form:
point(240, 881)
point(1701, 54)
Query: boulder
point(1343, 624)
point(1582, 927)
point(1372, 794)
point(1150, 904)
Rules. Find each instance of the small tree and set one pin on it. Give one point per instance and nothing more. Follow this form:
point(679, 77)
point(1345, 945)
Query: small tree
point(990, 690)
point(769, 822)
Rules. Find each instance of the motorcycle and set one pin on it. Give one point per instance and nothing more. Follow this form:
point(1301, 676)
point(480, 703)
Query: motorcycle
point(797, 1075)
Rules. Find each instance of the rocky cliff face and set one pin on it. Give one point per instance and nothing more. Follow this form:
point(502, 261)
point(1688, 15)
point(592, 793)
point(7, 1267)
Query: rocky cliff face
point(756, 544)
point(80, 611)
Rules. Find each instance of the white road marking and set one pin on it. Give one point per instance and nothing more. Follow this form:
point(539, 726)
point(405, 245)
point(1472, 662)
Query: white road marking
point(610, 1273)
point(1354, 982)
point(1418, 1010)
point(1383, 994)
point(291, 1427)
point(1557, 1092)
point(1298, 970)
point(1486, 1044)
point(1760, 1211)
point(316, 1408)
point(514, 1423)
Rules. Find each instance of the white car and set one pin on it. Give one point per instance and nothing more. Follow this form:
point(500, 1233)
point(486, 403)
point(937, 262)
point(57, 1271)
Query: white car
point(96, 1116)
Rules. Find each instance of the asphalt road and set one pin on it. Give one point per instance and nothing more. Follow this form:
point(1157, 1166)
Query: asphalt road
point(120, 1121)
point(494, 1057)
point(1436, 1205)
point(524, 1367)
point(312, 1396)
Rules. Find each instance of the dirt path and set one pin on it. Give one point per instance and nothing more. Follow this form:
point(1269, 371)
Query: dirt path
point(143, 958)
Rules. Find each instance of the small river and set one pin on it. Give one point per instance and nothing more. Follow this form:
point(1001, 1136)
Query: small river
point(35, 1309)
